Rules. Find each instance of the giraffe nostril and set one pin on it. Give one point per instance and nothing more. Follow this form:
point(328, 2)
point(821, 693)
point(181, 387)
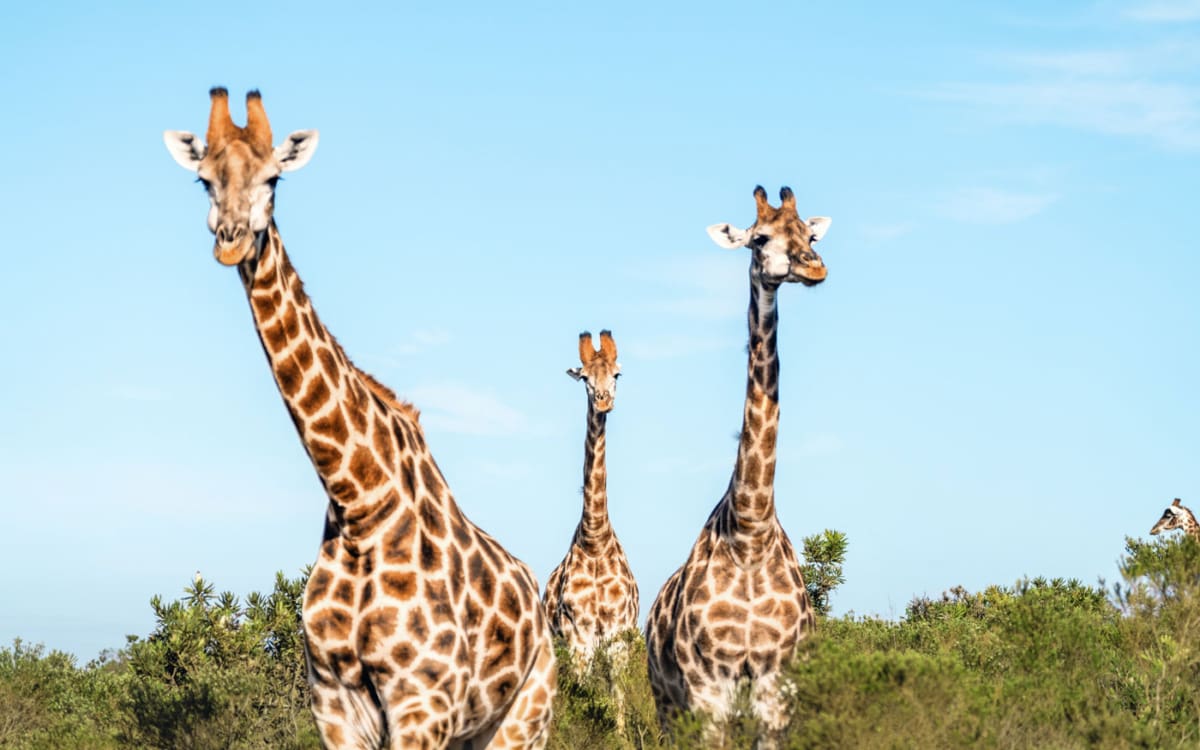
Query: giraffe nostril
point(227, 234)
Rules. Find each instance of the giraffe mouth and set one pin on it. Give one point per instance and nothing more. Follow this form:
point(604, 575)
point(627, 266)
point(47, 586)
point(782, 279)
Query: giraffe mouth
point(231, 254)
point(808, 274)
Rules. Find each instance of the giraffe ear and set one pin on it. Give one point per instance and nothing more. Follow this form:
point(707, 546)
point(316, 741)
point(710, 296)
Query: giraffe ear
point(296, 150)
point(728, 236)
point(819, 226)
point(185, 148)
point(575, 372)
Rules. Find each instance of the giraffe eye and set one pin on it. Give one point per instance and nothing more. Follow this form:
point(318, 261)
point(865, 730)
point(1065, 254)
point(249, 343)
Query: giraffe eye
point(760, 240)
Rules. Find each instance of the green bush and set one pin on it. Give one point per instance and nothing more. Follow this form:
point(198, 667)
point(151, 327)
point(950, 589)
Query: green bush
point(48, 702)
point(1042, 663)
point(824, 554)
point(216, 674)
point(606, 704)
point(1035, 665)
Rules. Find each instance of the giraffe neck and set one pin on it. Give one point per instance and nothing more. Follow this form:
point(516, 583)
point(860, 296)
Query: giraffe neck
point(1190, 526)
point(594, 528)
point(750, 508)
point(359, 439)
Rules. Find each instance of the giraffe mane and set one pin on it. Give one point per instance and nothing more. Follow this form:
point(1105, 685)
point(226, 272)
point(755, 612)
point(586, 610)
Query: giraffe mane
point(389, 397)
point(385, 394)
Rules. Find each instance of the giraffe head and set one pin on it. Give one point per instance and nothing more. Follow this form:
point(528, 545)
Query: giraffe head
point(239, 168)
point(782, 242)
point(1174, 517)
point(599, 371)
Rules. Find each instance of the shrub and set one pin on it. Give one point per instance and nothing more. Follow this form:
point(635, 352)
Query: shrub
point(216, 674)
point(1041, 663)
point(47, 702)
point(824, 554)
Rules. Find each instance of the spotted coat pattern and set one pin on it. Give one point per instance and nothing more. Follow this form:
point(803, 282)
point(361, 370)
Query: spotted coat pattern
point(737, 609)
point(592, 595)
point(421, 630)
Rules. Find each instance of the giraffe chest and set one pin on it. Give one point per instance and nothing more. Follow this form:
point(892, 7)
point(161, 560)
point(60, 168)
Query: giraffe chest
point(598, 594)
point(743, 619)
point(458, 628)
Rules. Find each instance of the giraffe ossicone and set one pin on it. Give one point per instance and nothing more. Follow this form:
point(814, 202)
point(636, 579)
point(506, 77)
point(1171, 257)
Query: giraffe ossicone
point(420, 629)
point(592, 596)
point(737, 609)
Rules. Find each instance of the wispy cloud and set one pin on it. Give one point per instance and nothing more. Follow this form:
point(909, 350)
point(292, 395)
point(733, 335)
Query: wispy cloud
point(422, 340)
point(673, 347)
point(81, 493)
point(983, 205)
point(415, 342)
point(133, 392)
point(1164, 113)
point(706, 287)
point(1165, 11)
point(465, 410)
point(885, 232)
point(1149, 92)
point(509, 472)
point(821, 445)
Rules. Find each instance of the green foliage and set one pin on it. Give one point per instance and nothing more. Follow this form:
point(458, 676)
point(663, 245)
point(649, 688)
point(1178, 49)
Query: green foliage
point(606, 704)
point(1042, 663)
point(824, 555)
point(46, 701)
point(1038, 664)
point(1160, 601)
point(216, 674)
point(213, 674)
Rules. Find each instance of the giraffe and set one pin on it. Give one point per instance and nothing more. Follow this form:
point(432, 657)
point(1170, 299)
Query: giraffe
point(1176, 516)
point(592, 595)
point(421, 631)
point(736, 610)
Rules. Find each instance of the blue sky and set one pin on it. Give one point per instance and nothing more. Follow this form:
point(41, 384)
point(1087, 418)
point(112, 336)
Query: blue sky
point(997, 380)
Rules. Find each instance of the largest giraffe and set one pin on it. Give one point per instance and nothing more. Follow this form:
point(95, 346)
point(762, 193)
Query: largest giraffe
point(421, 630)
point(736, 610)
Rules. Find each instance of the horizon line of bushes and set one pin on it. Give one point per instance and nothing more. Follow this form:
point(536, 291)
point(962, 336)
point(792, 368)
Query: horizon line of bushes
point(1040, 663)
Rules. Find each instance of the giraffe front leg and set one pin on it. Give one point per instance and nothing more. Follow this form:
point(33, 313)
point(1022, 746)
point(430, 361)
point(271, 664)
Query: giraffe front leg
point(771, 707)
point(618, 654)
point(346, 719)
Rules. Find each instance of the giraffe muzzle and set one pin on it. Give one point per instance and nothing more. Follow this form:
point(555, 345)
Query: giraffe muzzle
point(809, 275)
point(233, 253)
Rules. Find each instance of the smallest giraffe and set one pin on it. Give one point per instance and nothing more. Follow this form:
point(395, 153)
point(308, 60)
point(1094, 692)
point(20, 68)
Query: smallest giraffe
point(1176, 516)
point(592, 596)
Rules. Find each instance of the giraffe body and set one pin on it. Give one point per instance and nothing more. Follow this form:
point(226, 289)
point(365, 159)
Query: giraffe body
point(1177, 516)
point(592, 595)
point(736, 610)
point(420, 629)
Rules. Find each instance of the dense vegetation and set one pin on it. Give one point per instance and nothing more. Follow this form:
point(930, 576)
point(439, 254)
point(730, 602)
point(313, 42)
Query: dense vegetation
point(1036, 664)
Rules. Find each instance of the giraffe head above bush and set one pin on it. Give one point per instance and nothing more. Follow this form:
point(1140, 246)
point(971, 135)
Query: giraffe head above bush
point(239, 168)
point(780, 240)
point(1176, 516)
point(599, 371)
